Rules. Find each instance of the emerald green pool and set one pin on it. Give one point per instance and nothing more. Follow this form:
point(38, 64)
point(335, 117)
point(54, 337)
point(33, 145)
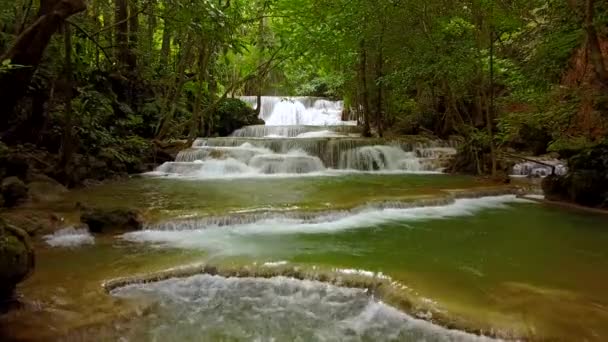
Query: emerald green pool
point(162, 198)
point(499, 263)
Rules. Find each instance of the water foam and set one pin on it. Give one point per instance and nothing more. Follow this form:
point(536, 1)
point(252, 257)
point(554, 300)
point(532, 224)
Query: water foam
point(252, 309)
point(292, 111)
point(532, 169)
point(236, 239)
point(321, 134)
point(69, 237)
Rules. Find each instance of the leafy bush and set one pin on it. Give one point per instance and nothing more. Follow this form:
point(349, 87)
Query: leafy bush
point(233, 114)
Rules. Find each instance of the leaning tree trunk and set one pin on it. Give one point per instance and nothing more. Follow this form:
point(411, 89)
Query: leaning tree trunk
point(28, 50)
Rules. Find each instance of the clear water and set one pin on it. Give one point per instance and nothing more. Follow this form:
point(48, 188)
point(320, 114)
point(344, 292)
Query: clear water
point(172, 198)
point(280, 309)
point(495, 263)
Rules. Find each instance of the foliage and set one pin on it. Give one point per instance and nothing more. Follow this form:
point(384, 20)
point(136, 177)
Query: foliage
point(233, 114)
point(494, 72)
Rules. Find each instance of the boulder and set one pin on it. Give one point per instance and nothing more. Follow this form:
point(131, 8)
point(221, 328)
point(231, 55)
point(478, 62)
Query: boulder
point(587, 180)
point(14, 191)
point(45, 189)
point(16, 165)
point(111, 220)
point(554, 188)
point(17, 259)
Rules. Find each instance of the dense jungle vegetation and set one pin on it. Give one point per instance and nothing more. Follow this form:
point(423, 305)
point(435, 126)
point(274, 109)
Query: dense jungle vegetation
point(116, 79)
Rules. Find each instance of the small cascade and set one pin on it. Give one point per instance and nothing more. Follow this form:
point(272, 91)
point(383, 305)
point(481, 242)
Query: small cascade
point(379, 157)
point(261, 131)
point(305, 135)
point(209, 168)
point(297, 162)
point(293, 111)
point(541, 169)
point(243, 153)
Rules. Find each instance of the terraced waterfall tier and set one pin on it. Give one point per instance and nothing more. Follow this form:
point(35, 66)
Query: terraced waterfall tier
point(232, 155)
point(304, 230)
point(305, 136)
point(293, 111)
point(302, 131)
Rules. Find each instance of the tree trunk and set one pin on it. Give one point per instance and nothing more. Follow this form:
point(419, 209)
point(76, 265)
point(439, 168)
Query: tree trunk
point(150, 31)
point(197, 119)
point(593, 44)
point(133, 32)
point(363, 92)
point(166, 45)
point(28, 51)
point(176, 94)
point(379, 92)
point(121, 37)
point(490, 111)
point(67, 143)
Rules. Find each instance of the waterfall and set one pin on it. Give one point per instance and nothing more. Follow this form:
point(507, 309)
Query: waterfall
point(261, 131)
point(293, 162)
point(532, 169)
point(305, 135)
point(292, 111)
point(379, 157)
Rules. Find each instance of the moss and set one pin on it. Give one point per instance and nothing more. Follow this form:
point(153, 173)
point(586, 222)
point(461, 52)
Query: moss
point(16, 259)
point(587, 182)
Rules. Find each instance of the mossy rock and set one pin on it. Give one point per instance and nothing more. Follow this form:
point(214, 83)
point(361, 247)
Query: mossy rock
point(587, 181)
point(17, 259)
point(14, 191)
point(111, 220)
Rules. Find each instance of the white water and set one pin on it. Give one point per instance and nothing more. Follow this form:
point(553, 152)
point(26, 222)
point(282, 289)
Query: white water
point(205, 307)
point(302, 136)
point(294, 162)
point(321, 134)
point(211, 162)
point(258, 131)
point(69, 237)
point(292, 111)
point(237, 239)
point(371, 158)
point(531, 169)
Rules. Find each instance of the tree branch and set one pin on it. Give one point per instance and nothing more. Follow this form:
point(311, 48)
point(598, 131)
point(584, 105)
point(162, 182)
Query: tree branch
point(90, 38)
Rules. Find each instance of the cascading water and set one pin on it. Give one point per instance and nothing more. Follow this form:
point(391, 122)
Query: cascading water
point(293, 111)
point(304, 135)
point(205, 307)
point(541, 169)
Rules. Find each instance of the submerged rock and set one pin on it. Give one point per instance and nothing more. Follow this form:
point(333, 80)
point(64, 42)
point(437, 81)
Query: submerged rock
point(14, 191)
point(16, 259)
point(109, 220)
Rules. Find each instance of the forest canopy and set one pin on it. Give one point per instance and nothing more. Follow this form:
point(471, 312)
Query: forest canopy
point(113, 75)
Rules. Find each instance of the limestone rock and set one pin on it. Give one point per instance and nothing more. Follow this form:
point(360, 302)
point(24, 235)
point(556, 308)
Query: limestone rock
point(45, 189)
point(111, 220)
point(17, 259)
point(587, 180)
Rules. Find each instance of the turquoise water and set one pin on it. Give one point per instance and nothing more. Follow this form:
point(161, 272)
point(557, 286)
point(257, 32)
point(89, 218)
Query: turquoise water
point(496, 263)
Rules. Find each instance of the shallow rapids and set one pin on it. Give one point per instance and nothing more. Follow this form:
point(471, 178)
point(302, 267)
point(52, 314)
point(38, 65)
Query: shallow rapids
point(277, 309)
point(235, 238)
